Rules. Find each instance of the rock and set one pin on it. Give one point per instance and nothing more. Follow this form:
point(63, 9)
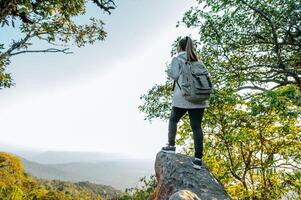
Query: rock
point(184, 195)
point(177, 179)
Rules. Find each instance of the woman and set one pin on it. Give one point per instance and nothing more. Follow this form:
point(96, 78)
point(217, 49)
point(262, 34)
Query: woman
point(180, 105)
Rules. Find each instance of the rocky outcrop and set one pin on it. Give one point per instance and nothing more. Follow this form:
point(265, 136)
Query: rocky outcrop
point(178, 180)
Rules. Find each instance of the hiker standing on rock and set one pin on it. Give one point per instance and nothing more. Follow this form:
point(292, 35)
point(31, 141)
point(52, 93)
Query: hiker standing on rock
point(191, 91)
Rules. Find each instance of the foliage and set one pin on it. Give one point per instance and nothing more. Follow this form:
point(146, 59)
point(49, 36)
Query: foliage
point(253, 146)
point(17, 185)
point(51, 21)
point(252, 129)
point(161, 93)
point(243, 37)
point(142, 192)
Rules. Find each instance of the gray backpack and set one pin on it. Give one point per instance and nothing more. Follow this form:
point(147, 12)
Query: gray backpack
point(196, 85)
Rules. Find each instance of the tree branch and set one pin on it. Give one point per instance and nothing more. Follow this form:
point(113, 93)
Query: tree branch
point(105, 5)
point(274, 33)
point(254, 87)
point(50, 50)
point(17, 45)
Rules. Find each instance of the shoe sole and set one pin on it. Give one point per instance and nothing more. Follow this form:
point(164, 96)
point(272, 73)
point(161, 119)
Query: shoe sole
point(166, 151)
point(196, 166)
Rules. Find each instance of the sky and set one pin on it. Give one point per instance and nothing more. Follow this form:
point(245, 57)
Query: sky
point(88, 101)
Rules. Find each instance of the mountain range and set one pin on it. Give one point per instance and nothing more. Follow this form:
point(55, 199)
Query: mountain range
point(120, 174)
point(114, 169)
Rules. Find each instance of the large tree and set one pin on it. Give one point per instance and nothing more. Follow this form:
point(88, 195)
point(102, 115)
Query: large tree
point(252, 128)
point(243, 37)
point(252, 146)
point(52, 21)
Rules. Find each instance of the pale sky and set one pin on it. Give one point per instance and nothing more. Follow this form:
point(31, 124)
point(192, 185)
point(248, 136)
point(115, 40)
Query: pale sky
point(88, 101)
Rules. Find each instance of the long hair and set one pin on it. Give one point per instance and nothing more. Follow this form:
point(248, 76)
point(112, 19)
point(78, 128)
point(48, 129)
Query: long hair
point(186, 44)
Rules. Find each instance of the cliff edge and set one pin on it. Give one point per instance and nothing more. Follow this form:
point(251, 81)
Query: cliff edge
point(178, 180)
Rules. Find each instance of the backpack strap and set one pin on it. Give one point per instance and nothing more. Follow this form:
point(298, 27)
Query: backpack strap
point(174, 84)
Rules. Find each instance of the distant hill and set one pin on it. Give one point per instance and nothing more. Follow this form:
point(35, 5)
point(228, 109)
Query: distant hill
point(59, 157)
point(80, 188)
point(46, 171)
point(15, 184)
point(113, 169)
point(120, 174)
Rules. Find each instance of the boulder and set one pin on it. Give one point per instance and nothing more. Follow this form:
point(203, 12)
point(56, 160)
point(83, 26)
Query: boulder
point(177, 179)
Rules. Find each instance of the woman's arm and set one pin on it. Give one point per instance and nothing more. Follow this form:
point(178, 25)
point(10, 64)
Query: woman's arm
point(174, 69)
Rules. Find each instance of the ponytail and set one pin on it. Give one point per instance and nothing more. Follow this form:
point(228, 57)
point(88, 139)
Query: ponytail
point(190, 50)
point(186, 44)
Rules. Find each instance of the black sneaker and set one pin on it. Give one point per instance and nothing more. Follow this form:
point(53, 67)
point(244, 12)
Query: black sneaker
point(197, 163)
point(169, 149)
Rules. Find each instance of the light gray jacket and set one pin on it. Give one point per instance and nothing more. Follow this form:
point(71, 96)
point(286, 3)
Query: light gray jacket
point(174, 71)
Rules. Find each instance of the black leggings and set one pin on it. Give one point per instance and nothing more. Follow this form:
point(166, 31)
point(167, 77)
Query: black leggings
point(195, 116)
